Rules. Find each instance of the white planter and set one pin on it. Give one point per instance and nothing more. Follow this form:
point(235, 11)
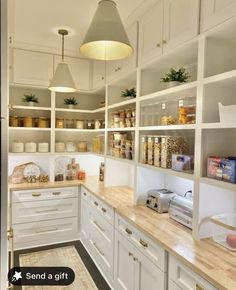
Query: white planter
point(31, 104)
point(71, 106)
point(173, 84)
point(227, 114)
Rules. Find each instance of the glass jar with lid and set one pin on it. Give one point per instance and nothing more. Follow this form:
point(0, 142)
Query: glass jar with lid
point(43, 122)
point(59, 123)
point(28, 121)
point(70, 124)
point(14, 121)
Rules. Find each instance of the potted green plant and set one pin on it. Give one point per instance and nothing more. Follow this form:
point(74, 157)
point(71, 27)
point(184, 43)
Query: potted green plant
point(176, 77)
point(30, 99)
point(129, 93)
point(70, 102)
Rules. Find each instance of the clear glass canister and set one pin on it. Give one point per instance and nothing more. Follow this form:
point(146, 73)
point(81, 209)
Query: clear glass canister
point(59, 123)
point(14, 121)
point(28, 122)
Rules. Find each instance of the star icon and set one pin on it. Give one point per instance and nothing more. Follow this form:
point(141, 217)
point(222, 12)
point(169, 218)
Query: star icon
point(16, 276)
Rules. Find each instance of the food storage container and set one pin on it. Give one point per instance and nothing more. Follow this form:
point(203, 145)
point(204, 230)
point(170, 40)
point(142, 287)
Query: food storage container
point(30, 147)
point(17, 147)
point(157, 151)
point(224, 230)
point(82, 146)
point(70, 146)
point(90, 124)
point(79, 124)
point(70, 124)
point(60, 147)
point(150, 150)
point(43, 122)
point(59, 123)
point(28, 122)
point(43, 147)
point(182, 163)
point(14, 121)
point(97, 124)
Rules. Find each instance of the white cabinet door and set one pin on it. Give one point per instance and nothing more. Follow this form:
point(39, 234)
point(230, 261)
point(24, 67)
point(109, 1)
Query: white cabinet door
point(214, 12)
point(124, 264)
point(147, 275)
point(173, 286)
point(32, 68)
point(181, 22)
point(98, 74)
point(117, 68)
point(150, 33)
point(84, 226)
point(80, 70)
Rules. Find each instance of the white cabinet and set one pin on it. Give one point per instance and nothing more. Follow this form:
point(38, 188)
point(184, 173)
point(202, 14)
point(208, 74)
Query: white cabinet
point(214, 12)
point(32, 68)
point(117, 68)
point(166, 25)
point(84, 225)
point(150, 33)
point(184, 278)
point(80, 70)
point(181, 22)
point(98, 74)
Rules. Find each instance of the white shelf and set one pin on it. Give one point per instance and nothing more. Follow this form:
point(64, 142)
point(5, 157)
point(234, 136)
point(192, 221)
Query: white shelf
point(121, 104)
point(168, 127)
point(220, 77)
point(120, 129)
point(29, 108)
point(217, 126)
point(168, 171)
point(80, 130)
point(186, 88)
point(30, 154)
point(80, 111)
point(55, 154)
point(218, 183)
point(29, 129)
point(121, 160)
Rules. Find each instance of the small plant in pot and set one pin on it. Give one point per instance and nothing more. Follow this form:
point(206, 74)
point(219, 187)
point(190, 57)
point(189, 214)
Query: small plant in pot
point(176, 77)
point(129, 93)
point(70, 102)
point(30, 99)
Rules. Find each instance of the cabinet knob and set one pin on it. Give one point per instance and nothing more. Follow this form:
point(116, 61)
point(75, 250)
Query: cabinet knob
point(56, 193)
point(164, 41)
point(158, 45)
point(198, 287)
point(144, 244)
point(130, 254)
point(135, 259)
point(128, 231)
point(95, 203)
point(102, 78)
point(36, 194)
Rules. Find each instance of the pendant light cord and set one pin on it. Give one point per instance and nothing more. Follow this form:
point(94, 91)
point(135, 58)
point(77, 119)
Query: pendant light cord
point(62, 54)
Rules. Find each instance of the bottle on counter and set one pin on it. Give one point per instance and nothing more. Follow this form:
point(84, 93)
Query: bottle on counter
point(101, 171)
point(81, 175)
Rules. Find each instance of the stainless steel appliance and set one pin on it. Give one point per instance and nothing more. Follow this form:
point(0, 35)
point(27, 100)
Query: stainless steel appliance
point(158, 199)
point(181, 210)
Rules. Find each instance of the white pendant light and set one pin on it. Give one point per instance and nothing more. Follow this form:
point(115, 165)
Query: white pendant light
point(62, 80)
point(106, 38)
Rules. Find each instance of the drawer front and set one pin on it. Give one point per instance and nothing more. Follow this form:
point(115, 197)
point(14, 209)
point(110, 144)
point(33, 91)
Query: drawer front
point(44, 210)
point(106, 211)
point(173, 286)
point(85, 194)
point(185, 278)
point(144, 244)
point(45, 232)
point(44, 194)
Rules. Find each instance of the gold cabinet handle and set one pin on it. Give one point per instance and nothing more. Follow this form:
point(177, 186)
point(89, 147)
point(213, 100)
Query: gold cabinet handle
point(95, 203)
point(104, 210)
point(164, 41)
point(198, 287)
point(128, 231)
point(10, 234)
point(98, 226)
point(47, 210)
point(99, 251)
point(135, 259)
point(84, 193)
point(130, 254)
point(36, 194)
point(144, 244)
point(158, 45)
point(56, 193)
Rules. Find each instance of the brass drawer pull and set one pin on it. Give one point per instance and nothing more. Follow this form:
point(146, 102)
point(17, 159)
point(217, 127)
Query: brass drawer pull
point(45, 231)
point(198, 287)
point(128, 231)
point(56, 193)
point(104, 210)
point(47, 210)
point(144, 244)
point(98, 226)
point(130, 254)
point(95, 203)
point(84, 193)
point(135, 259)
point(99, 251)
point(36, 194)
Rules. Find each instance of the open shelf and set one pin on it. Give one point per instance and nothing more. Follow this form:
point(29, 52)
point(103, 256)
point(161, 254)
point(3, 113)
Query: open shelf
point(168, 171)
point(122, 104)
point(29, 129)
point(169, 127)
point(80, 111)
point(29, 108)
point(120, 129)
point(218, 183)
point(121, 160)
point(80, 130)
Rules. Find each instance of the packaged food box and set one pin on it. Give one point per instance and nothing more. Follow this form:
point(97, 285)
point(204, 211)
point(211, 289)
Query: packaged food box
point(183, 163)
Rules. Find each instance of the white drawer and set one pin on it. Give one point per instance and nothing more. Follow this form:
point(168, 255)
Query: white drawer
point(45, 232)
point(150, 249)
point(33, 211)
point(185, 278)
point(44, 194)
point(85, 194)
point(106, 211)
point(173, 286)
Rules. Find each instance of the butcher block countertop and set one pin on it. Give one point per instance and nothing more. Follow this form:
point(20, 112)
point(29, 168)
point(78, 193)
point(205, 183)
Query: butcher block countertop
point(211, 261)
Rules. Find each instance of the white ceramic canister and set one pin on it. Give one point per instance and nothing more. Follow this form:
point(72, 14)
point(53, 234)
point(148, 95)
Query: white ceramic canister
point(60, 147)
point(79, 124)
point(43, 147)
point(30, 147)
point(17, 147)
point(70, 146)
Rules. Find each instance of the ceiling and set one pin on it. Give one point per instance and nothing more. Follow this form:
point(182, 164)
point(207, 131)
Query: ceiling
point(34, 23)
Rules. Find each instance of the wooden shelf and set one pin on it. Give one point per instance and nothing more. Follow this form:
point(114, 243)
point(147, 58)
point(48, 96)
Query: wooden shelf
point(168, 127)
point(218, 183)
point(168, 171)
point(29, 129)
point(187, 88)
point(29, 108)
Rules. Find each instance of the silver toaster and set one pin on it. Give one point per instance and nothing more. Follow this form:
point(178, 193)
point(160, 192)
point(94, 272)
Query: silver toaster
point(158, 199)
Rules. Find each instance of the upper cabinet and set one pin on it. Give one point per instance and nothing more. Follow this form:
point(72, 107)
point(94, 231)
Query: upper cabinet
point(117, 68)
point(80, 70)
point(32, 68)
point(181, 22)
point(150, 33)
point(98, 74)
point(163, 27)
point(214, 12)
